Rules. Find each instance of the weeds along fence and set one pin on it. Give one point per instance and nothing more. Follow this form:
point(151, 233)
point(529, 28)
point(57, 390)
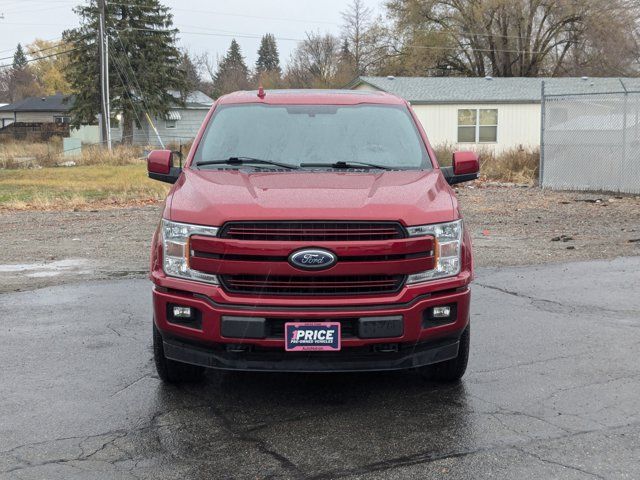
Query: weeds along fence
point(16, 154)
point(590, 140)
point(37, 132)
point(516, 165)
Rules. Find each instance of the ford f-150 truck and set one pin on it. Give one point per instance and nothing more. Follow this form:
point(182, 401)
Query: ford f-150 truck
point(311, 231)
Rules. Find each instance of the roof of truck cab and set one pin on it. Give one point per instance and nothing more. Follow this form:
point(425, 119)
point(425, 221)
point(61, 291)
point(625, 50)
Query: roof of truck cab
point(312, 97)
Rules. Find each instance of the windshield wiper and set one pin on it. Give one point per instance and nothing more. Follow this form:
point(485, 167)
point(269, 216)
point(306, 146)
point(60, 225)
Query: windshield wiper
point(244, 161)
point(345, 165)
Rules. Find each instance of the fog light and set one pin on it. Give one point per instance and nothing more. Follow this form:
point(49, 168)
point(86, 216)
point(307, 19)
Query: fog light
point(441, 312)
point(440, 315)
point(181, 312)
point(185, 316)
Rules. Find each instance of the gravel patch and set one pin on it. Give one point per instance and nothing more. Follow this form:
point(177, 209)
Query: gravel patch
point(510, 226)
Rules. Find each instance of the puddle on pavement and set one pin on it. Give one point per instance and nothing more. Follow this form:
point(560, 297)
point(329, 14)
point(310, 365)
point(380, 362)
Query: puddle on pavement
point(74, 266)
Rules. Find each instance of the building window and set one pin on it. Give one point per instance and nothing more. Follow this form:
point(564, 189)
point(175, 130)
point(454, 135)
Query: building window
point(477, 125)
point(170, 123)
point(61, 119)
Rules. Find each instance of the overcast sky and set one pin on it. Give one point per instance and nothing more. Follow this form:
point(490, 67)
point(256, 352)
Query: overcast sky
point(205, 25)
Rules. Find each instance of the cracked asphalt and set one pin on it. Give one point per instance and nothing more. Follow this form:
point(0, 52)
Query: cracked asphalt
point(552, 392)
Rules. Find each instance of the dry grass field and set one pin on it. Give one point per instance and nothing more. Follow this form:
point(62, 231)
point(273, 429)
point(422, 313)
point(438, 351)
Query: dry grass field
point(81, 187)
point(31, 177)
point(16, 154)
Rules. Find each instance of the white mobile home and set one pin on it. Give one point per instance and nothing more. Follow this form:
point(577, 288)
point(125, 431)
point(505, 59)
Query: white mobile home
point(482, 113)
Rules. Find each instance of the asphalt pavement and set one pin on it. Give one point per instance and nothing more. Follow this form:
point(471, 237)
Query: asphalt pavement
point(552, 391)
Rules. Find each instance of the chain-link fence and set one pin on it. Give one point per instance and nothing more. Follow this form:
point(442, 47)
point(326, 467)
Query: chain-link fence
point(591, 140)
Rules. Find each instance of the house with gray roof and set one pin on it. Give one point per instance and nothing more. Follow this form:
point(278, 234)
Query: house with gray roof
point(497, 114)
point(48, 109)
point(179, 125)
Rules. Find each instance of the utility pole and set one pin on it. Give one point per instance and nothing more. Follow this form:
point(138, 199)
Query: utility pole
point(103, 48)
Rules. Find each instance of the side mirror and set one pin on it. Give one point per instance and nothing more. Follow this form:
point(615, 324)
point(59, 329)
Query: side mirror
point(160, 166)
point(465, 168)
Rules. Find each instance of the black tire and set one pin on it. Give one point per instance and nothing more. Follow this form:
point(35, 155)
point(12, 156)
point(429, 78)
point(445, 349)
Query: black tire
point(450, 371)
point(171, 371)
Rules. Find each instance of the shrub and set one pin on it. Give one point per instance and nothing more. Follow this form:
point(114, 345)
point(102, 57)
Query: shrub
point(516, 165)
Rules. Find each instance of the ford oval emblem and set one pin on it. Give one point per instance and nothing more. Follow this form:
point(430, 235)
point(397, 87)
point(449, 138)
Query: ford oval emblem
point(312, 259)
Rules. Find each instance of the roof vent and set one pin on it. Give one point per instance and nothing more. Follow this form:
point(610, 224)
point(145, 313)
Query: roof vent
point(390, 77)
point(488, 77)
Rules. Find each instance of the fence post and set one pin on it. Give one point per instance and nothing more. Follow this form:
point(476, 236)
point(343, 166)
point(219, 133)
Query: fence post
point(542, 119)
point(624, 137)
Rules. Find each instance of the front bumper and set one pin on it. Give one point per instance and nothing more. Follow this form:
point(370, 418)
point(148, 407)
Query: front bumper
point(421, 341)
point(357, 359)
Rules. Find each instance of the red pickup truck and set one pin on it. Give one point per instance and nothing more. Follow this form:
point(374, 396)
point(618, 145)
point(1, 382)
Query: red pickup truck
point(311, 231)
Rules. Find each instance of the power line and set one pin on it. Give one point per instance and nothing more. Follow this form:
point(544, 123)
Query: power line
point(30, 12)
point(233, 35)
point(464, 33)
point(37, 24)
point(42, 58)
point(122, 71)
point(13, 49)
point(258, 36)
point(35, 52)
point(123, 76)
point(127, 81)
point(226, 14)
point(133, 72)
point(45, 4)
point(22, 2)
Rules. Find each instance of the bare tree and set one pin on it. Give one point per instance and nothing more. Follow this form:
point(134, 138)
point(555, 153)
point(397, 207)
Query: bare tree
point(314, 62)
point(5, 79)
point(356, 24)
point(609, 45)
point(507, 37)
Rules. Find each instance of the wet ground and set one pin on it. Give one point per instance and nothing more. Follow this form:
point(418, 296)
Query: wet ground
point(552, 392)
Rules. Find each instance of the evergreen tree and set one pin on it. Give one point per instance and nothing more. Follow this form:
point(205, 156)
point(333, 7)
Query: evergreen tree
point(232, 73)
point(144, 62)
point(268, 57)
point(346, 69)
point(20, 81)
point(19, 59)
point(192, 75)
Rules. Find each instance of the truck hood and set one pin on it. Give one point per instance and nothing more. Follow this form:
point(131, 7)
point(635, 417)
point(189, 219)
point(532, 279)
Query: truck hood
point(213, 197)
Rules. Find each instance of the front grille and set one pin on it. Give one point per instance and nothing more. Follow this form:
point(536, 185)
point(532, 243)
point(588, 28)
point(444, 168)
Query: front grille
point(312, 231)
point(251, 257)
point(312, 285)
point(348, 326)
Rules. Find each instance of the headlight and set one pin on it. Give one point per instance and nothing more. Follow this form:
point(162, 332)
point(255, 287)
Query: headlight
point(447, 249)
point(175, 243)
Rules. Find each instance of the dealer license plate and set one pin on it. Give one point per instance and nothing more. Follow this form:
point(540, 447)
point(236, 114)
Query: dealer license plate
point(315, 336)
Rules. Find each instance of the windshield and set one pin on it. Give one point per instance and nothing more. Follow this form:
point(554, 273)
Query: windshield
point(384, 135)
